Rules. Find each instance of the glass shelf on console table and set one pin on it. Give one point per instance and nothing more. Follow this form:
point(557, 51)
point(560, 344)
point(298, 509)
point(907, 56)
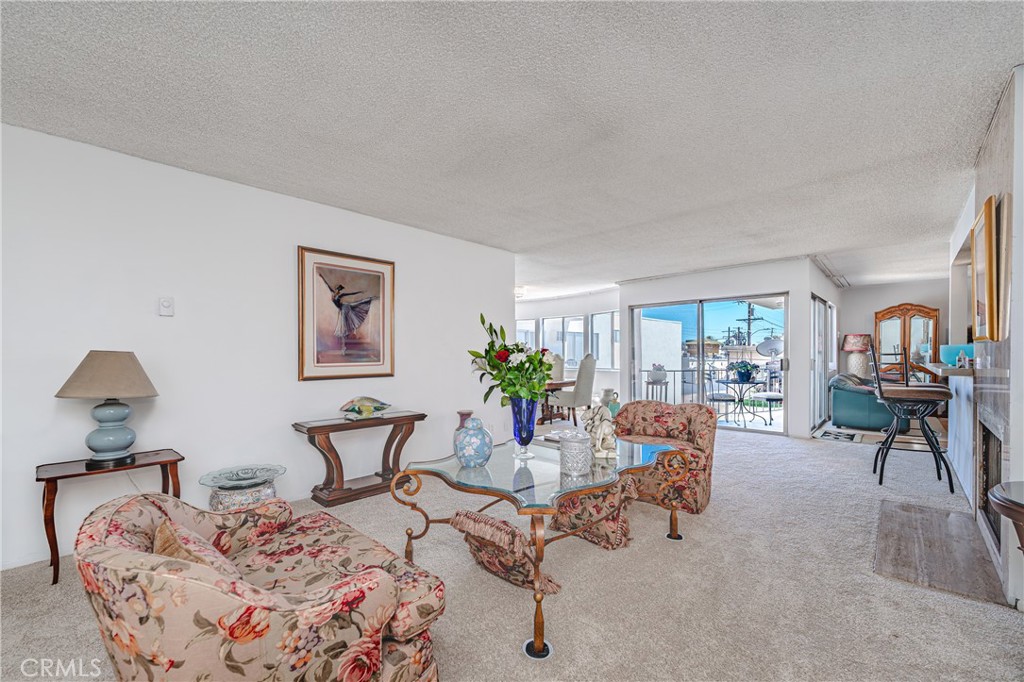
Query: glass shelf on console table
point(335, 489)
point(533, 486)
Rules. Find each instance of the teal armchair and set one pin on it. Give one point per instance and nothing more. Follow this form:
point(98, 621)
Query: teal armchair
point(855, 405)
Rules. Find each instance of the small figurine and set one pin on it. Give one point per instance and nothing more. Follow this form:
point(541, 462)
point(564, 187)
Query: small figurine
point(597, 422)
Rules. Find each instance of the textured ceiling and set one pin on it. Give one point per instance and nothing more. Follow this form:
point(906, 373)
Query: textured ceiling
point(598, 141)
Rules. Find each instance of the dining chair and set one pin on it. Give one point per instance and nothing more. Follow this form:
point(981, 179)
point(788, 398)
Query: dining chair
point(557, 368)
point(581, 395)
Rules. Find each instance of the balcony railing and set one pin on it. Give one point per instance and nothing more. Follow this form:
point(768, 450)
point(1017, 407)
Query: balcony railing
point(684, 384)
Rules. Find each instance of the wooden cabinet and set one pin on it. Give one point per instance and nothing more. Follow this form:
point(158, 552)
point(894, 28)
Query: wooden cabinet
point(911, 326)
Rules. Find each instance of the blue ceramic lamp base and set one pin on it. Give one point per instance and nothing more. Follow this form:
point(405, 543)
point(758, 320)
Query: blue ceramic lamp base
point(110, 442)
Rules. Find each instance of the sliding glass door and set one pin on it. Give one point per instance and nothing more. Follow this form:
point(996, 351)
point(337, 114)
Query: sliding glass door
point(824, 349)
point(700, 351)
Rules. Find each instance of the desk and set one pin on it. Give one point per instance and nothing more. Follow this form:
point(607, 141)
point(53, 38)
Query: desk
point(333, 490)
point(49, 474)
point(546, 411)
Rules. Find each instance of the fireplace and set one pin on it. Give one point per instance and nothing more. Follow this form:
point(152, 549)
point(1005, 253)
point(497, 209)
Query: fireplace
point(990, 473)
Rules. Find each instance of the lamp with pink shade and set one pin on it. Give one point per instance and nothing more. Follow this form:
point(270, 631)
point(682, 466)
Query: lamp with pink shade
point(857, 345)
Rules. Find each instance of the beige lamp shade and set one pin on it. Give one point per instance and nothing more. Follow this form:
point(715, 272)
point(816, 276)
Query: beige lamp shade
point(108, 374)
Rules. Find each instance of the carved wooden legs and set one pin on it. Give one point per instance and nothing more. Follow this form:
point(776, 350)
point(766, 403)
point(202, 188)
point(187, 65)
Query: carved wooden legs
point(169, 482)
point(537, 647)
point(49, 497)
point(333, 490)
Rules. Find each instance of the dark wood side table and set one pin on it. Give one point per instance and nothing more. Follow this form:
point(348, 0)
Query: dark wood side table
point(1008, 499)
point(333, 491)
point(49, 474)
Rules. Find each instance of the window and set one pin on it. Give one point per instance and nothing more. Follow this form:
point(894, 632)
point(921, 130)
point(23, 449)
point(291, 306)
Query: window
point(526, 332)
point(564, 335)
point(604, 339)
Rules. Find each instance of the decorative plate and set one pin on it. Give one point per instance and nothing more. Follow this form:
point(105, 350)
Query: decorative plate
point(364, 406)
point(234, 478)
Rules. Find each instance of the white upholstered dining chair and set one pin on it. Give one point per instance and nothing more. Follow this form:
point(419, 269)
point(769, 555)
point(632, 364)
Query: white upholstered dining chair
point(581, 394)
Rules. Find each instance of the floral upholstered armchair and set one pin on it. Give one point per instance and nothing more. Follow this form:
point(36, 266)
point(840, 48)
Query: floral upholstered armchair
point(260, 596)
point(681, 477)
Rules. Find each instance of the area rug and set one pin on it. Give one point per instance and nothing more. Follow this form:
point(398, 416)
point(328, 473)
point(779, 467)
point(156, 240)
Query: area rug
point(935, 548)
point(837, 434)
point(912, 440)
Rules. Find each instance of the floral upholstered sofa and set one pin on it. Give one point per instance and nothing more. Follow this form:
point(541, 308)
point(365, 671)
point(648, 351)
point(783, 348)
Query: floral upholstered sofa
point(681, 477)
point(263, 596)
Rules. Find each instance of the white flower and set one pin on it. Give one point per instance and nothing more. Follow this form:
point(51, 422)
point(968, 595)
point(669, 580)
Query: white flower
point(517, 358)
point(549, 357)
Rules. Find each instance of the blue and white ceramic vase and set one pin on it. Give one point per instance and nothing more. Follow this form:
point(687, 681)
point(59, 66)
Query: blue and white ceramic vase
point(473, 444)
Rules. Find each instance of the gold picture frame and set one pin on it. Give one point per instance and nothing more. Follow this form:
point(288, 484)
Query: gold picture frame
point(346, 316)
point(984, 274)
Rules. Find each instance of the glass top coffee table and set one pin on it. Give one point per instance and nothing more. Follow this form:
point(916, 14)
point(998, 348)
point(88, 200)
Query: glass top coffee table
point(534, 487)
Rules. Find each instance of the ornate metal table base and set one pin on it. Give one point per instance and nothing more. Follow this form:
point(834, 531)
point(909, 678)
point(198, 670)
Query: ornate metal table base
point(410, 484)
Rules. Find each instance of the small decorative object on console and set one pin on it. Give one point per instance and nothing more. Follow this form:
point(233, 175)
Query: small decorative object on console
point(473, 444)
point(363, 407)
point(241, 486)
point(657, 373)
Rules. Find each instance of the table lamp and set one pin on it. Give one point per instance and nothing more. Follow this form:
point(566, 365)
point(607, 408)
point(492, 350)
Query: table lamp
point(101, 375)
point(857, 345)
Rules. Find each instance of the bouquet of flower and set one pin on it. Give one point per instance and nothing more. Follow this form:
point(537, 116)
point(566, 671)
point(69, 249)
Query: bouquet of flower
point(514, 368)
point(743, 366)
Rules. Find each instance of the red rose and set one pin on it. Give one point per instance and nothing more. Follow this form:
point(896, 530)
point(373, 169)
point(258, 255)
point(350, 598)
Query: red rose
point(543, 351)
point(502, 355)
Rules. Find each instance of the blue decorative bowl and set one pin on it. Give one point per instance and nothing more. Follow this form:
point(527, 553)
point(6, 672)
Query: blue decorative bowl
point(949, 354)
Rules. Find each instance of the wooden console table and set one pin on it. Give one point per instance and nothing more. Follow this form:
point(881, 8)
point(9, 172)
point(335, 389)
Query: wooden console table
point(49, 474)
point(334, 491)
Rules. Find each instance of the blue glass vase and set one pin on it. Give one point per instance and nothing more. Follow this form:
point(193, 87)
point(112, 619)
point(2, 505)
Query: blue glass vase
point(524, 419)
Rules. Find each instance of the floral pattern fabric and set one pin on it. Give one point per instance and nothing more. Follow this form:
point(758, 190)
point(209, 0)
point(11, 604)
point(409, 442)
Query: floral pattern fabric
point(579, 510)
point(319, 549)
point(167, 619)
point(502, 550)
point(690, 430)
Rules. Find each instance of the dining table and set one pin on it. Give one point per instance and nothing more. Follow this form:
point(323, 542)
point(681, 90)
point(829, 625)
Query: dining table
point(547, 412)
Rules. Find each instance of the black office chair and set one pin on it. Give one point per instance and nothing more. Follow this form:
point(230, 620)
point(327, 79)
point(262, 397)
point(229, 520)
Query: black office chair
point(909, 402)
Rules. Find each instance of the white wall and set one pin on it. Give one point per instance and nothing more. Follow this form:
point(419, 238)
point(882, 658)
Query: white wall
point(92, 238)
point(798, 277)
point(857, 315)
point(581, 304)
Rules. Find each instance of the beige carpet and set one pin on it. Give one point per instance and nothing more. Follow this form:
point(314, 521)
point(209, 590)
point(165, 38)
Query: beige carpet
point(774, 581)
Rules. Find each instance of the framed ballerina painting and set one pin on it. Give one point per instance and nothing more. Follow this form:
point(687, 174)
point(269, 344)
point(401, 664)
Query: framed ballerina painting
point(346, 316)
